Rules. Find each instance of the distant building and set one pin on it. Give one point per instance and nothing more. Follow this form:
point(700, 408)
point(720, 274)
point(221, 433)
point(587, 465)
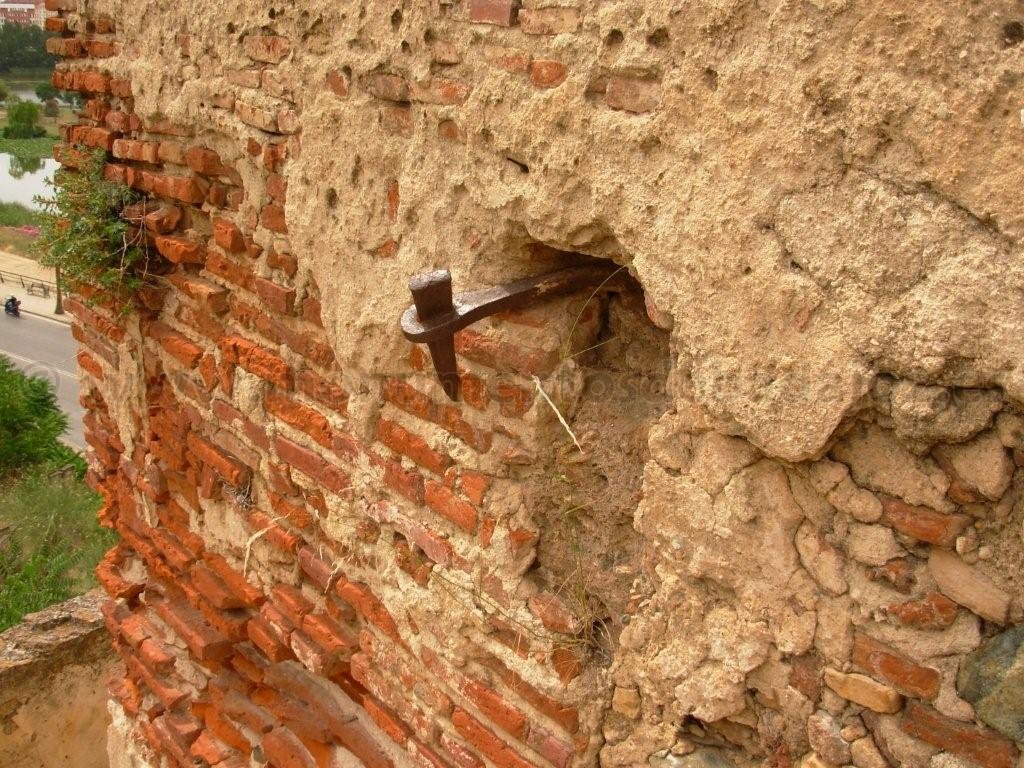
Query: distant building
point(23, 12)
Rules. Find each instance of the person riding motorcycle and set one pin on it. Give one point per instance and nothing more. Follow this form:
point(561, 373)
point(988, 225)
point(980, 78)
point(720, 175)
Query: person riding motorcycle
point(12, 306)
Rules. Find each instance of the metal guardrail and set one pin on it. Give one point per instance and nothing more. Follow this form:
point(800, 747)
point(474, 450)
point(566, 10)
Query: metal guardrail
point(34, 286)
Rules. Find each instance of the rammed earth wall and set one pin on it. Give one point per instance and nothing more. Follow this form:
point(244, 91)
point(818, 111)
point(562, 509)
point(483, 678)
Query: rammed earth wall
point(791, 531)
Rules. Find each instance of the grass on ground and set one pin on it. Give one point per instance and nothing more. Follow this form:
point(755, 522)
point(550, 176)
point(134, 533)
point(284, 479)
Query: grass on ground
point(17, 243)
point(17, 215)
point(29, 152)
point(50, 540)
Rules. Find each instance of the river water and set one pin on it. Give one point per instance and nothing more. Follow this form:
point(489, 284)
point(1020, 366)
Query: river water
point(21, 185)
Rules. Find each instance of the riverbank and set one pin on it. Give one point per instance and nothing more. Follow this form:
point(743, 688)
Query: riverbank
point(29, 152)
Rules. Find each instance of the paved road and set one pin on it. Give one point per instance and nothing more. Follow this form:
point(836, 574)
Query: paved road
point(45, 348)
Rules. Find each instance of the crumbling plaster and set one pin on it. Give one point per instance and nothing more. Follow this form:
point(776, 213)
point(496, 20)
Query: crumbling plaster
point(827, 192)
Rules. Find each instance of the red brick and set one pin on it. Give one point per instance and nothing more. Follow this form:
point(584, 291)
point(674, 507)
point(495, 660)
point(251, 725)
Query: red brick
point(442, 90)
point(209, 748)
point(500, 12)
point(141, 151)
point(316, 568)
point(205, 643)
point(228, 467)
point(503, 355)
point(387, 86)
point(300, 417)
point(204, 161)
point(496, 750)
point(294, 513)
point(400, 440)
point(460, 755)
point(545, 73)
point(272, 217)
point(449, 417)
point(227, 269)
point(266, 639)
point(89, 364)
point(475, 485)
point(567, 664)
point(902, 673)
point(235, 581)
point(322, 390)
point(155, 656)
point(554, 613)
point(338, 82)
point(267, 48)
point(328, 634)
point(564, 715)
point(228, 236)
point(280, 298)
point(933, 611)
point(211, 296)
point(311, 464)
point(368, 606)
point(923, 523)
point(407, 482)
point(633, 94)
point(985, 747)
point(180, 250)
point(450, 506)
point(257, 360)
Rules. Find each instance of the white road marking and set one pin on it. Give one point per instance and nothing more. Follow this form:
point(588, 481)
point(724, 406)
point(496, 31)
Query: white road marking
point(26, 360)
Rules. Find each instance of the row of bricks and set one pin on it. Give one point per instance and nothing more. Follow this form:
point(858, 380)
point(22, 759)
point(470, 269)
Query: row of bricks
point(288, 605)
point(306, 560)
point(266, 633)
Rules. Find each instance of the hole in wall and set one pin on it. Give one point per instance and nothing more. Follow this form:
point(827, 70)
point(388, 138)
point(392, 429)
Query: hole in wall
point(1013, 34)
point(659, 38)
point(710, 77)
point(406, 48)
point(613, 39)
point(396, 19)
point(231, 28)
point(331, 197)
point(612, 389)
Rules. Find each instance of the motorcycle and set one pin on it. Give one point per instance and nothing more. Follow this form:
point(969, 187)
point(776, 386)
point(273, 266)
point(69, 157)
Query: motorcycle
point(12, 307)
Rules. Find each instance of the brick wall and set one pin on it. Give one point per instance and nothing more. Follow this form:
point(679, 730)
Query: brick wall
point(328, 563)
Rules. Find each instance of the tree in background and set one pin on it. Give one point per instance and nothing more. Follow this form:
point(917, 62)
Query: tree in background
point(22, 120)
point(5, 92)
point(23, 46)
point(46, 92)
point(30, 422)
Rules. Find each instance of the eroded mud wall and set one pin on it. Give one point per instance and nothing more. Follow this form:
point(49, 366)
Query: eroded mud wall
point(791, 528)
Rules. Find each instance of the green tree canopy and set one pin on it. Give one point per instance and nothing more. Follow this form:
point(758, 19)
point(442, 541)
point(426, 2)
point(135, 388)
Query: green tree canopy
point(46, 91)
point(23, 46)
point(30, 421)
point(23, 120)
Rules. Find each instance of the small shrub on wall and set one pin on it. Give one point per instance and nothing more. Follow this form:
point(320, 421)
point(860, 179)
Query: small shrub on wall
point(83, 235)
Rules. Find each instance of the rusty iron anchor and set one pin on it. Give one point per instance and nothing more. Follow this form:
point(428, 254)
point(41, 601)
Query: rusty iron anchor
point(436, 314)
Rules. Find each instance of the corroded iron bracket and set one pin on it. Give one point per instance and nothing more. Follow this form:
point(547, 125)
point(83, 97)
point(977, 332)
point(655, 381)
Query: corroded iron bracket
point(437, 314)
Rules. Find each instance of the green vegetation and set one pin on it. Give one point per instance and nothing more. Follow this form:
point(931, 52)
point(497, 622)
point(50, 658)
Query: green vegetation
point(84, 236)
point(18, 215)
point(29, 153)
point(23, 120)
point(46, 91)
point(23, 46)
point(13, 241)
point(50, 540)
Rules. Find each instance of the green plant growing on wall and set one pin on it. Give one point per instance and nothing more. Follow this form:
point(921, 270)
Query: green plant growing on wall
point(84, 236)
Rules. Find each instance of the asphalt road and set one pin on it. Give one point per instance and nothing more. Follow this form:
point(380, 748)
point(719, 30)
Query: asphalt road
point(42, 347)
